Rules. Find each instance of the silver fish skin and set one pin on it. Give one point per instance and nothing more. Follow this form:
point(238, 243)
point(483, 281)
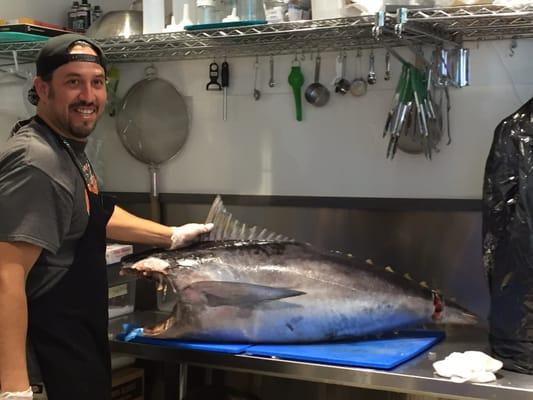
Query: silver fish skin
point(261, 291)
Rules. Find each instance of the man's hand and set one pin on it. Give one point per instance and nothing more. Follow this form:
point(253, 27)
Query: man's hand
point(187, 234)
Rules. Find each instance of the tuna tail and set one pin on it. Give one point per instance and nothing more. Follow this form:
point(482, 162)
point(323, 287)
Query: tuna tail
point(450, 312)
point(235, 293)
point(228, 228)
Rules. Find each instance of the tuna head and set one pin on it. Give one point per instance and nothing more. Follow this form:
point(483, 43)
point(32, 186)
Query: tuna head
point(201, 304)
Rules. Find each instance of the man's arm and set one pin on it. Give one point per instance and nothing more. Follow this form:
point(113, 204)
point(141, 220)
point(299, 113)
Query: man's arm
point(16, 260)
point(126, 227)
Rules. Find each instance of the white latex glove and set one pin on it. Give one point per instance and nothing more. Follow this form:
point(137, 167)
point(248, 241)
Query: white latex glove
point(187, 234)
point(25, 395)
point(473, 366)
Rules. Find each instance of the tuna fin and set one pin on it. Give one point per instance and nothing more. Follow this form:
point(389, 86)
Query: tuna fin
point(238, 293)
point(229, 228)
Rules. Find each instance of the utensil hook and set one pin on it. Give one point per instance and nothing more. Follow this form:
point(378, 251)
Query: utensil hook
point(150, 72)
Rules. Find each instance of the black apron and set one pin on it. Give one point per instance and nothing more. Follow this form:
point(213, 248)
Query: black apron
point(67, 326)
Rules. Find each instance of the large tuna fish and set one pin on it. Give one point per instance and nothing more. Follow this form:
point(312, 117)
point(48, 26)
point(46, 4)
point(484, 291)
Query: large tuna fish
point(241, 285)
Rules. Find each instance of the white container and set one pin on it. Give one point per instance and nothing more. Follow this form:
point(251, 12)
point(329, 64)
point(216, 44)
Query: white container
point(250, 10)
point(178, 10)
point(153, 16)
point(206, 12)
point(276, 11)
point(325, 9)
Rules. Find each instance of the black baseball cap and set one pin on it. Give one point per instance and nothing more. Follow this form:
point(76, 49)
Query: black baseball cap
point(56, 52)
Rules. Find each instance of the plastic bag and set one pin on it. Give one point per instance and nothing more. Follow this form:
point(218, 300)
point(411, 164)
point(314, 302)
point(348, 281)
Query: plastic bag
point(508, 239)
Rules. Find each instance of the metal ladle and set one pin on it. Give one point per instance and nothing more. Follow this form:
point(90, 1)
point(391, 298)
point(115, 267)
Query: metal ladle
point(342, 85)
point(316, 93)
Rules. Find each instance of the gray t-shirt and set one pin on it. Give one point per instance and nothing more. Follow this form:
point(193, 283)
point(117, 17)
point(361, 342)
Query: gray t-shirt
point(42, 200)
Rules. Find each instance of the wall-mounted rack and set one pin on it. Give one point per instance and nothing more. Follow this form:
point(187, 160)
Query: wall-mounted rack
point(394, 27)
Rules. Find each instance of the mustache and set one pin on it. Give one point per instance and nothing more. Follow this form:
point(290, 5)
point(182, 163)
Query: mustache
point(84, 104)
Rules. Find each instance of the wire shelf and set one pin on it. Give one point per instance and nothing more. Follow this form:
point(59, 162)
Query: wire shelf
point(445, 26)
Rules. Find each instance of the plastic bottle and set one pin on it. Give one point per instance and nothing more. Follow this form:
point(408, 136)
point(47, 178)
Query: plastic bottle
point(251, 10)
point(84, 16)
point(153, 16)
point(96, 13)
point(276, 11)
point(206, 11)
point(72, 15)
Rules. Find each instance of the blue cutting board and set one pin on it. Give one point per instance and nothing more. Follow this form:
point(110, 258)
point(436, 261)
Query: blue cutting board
point(230, 348)
point(383, 353)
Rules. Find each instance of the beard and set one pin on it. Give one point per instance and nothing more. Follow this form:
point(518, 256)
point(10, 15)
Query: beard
point(78, 130)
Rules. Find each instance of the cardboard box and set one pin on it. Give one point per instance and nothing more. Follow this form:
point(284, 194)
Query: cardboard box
point(115, 252)
point(121, 297)
point(128, 384)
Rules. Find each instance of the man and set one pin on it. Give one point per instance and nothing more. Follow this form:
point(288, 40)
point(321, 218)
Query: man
point(53, 227)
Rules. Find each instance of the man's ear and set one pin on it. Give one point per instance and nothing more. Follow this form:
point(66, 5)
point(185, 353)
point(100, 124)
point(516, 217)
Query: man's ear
point(41, 87)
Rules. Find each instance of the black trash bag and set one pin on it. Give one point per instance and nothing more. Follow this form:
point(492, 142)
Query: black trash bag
point(508, 239)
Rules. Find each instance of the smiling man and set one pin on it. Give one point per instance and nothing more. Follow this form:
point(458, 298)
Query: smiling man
point(74, 101)
point(53, 229)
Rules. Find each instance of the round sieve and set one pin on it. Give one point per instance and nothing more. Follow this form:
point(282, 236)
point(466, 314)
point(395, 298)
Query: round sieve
point(153, 124)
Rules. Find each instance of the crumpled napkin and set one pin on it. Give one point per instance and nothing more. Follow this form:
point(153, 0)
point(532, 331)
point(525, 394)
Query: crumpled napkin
point(473, 366)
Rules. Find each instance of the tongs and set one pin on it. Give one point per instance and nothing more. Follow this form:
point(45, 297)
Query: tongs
point(412, 110)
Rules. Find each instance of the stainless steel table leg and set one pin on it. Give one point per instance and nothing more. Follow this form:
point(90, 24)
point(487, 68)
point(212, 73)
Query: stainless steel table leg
point(183, 381)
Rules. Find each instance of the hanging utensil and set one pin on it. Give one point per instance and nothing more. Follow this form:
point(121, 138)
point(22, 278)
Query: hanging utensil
point(153, 124)
point(213, 77)
point(316, 93)
point(256, 93)
point(371, 79)
point(271, 82)
point(342, 85)
point(296, 81)
point(387, 74)
point(225, 84)
point(358, 87)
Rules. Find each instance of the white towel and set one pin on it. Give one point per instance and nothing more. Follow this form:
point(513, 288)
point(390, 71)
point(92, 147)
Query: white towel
point(473, 366)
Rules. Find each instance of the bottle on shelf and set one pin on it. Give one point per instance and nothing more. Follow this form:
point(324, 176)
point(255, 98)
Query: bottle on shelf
point(84, 16)
point(276, 11)
point(251, 10)
point(153, 16)
point(206, 12)
point(96, 13)
point(72, 15)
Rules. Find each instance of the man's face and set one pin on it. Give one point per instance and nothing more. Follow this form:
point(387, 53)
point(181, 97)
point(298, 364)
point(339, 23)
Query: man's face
point(73, 101)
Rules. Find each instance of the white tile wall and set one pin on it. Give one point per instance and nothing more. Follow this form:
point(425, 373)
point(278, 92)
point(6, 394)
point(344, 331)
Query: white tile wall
point(336, 151)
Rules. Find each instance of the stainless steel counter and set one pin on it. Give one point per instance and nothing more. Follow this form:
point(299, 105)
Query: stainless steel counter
point(415, 376)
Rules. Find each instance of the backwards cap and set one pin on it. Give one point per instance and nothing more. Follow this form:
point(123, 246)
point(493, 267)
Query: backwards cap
point(56, 52)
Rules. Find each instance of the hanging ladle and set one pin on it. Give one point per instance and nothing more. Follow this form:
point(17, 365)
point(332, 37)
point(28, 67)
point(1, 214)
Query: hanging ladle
point(257, 92)
point(316, 93)
point(342, 85)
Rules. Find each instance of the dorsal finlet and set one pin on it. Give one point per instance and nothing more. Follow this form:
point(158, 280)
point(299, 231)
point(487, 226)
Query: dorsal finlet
point(229, 228)
point(369, 261)
point(407, 276)
point(424, 284)
point(389, 268)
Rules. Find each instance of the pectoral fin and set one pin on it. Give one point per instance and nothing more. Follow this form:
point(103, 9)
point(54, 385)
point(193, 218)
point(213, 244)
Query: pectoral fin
point(238, 294)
